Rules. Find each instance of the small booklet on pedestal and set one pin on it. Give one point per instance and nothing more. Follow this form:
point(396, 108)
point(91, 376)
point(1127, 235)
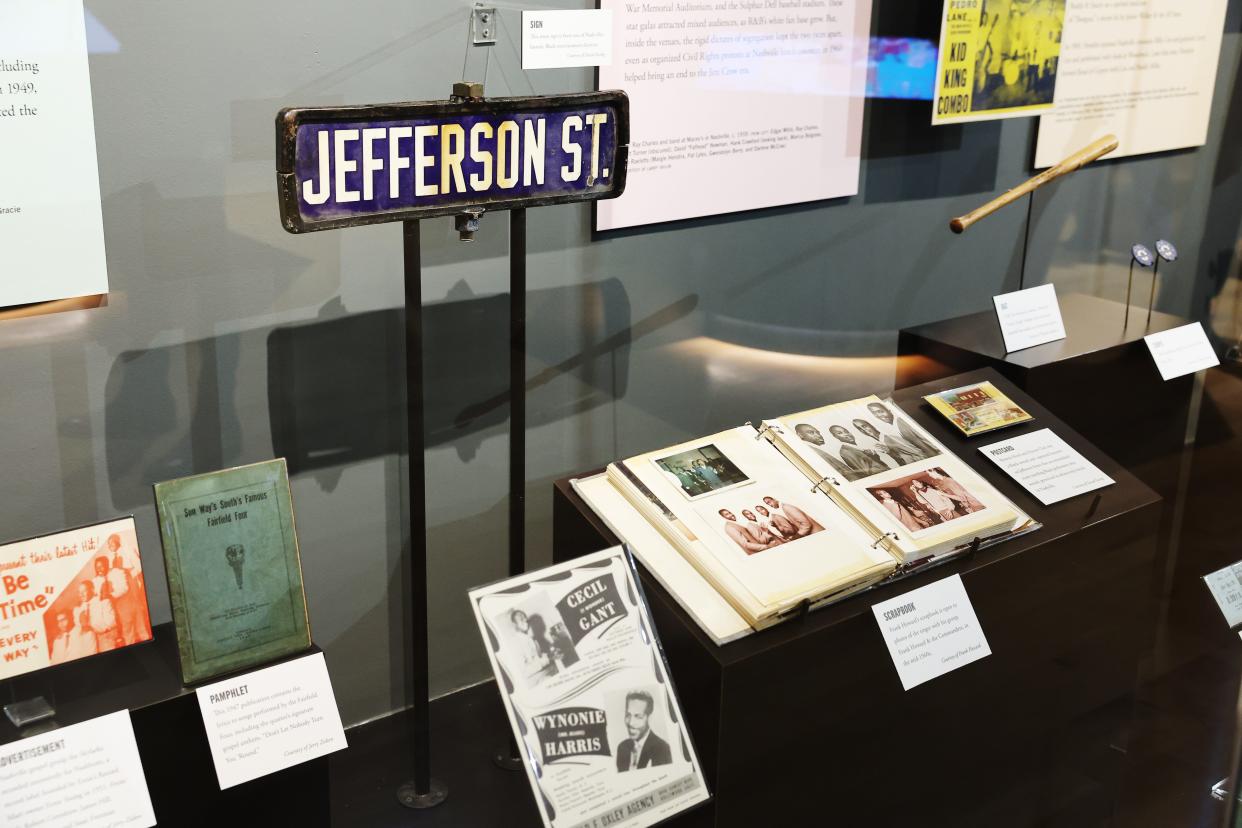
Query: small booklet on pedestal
point(234, 575)
point(588, 693)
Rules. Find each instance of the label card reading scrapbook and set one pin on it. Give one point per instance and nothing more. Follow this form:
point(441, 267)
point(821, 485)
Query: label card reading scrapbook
point(234, 575)
point(931, 631)
point(588, 694)
point(71, 595)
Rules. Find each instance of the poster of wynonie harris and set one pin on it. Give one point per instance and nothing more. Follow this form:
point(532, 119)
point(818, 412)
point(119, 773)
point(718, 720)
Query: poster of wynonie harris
point(588, 694)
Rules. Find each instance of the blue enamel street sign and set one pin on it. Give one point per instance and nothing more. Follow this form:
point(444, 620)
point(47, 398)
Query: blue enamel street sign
point(355, 165)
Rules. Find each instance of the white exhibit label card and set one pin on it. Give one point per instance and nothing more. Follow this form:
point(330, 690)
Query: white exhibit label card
point(737, 104)
point(931, 631)
point(1047, 466)
point(1181, 351)
point(1143, 70)
point(565, 38)
point(1029, 317)
point(86, 775)
point(271, 719)
point(51, 222)
point(1226, 587)
point(601, 732)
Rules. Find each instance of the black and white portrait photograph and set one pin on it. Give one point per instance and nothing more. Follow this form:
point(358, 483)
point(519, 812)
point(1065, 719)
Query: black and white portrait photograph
point(640, 740)
point(859, 442)
point(702, 471)
point(536, 641)
point(756, 518)
point(925, 500)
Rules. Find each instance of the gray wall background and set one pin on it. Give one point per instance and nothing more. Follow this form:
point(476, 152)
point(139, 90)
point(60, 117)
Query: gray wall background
point(226, 341)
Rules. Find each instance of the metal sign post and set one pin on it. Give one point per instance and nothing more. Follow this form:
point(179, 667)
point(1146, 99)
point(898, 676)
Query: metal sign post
point(339, 167)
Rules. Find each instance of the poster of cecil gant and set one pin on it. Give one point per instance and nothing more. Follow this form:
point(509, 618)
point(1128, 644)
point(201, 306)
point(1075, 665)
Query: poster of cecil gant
point(588, 694)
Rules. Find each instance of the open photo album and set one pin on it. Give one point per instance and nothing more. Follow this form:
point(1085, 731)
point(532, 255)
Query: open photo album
point(805, 509)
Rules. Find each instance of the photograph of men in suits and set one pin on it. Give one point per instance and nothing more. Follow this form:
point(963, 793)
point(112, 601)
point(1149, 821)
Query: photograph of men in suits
point(859, 462)
point(702, 471)
point(882, 413)
point(643, 748)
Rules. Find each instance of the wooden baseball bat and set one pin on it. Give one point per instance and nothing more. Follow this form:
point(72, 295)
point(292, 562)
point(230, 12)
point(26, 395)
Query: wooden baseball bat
point(1075, 162)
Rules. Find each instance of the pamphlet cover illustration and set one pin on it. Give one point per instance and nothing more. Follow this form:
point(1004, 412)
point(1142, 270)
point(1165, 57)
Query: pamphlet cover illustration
point(71, 595)
point(234, 574)
point(599, 727)
point(998, 59)
point(978, 408)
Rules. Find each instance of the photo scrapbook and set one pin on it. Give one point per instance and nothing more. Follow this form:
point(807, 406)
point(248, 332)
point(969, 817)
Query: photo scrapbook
point(802, 510)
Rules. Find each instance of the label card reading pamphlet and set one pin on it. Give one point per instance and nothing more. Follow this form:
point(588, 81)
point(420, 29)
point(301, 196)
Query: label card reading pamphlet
point(271, 719)
point(1047, 466)
point(87, 775)
point(931, 631)
point(566, 38)
point(1029, 317)
point(1181, 351)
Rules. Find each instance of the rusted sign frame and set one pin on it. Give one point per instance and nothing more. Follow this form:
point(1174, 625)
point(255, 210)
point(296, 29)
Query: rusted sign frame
point(290, 119)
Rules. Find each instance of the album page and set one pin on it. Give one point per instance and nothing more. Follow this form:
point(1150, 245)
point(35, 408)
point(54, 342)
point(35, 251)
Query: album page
point(750, 523)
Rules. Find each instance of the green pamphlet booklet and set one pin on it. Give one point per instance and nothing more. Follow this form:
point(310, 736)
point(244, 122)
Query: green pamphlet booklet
point(234, 576)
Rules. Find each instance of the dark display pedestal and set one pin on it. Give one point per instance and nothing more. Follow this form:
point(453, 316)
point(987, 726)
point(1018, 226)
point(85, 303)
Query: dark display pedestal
point(807, 723)
point(171, 740)
point(1100, 379)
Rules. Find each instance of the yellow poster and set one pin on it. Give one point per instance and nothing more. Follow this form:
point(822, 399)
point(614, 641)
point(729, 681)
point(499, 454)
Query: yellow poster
point(998, 59)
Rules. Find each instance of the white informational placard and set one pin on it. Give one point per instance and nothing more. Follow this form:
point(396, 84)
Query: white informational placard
point(1144, 71)
point(736, 105)
point(566, 38)
point(1226, 587)
point(1047, 466)
point(931, 631)
point(1181, 351)
point(87, 775)
point(51, 223)
point(1029, 317)
point(601, 732)
point(271, 719)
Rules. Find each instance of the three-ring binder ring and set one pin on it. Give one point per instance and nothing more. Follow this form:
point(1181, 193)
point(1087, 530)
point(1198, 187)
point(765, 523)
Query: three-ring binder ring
point(819, 485)
point(881, 538)
point(765, 428)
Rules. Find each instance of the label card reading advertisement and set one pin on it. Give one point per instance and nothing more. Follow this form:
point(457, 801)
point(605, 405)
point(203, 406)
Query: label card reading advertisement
point(564, 39)
point(87, 775)
point(1047, 466)
point(931, 631)
point(1226, 587)
point(1181, 351)
point(271, 719)
point(588, 694)
point(1029, 317)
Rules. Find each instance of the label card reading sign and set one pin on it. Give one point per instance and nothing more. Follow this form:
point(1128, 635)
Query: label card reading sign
point(931, 631)
point(86, 775)
point(271, 719)
point(1226, 587)
point(1181, 351)
point(1047, 466)
point(564, 39)
point(1029, 317)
